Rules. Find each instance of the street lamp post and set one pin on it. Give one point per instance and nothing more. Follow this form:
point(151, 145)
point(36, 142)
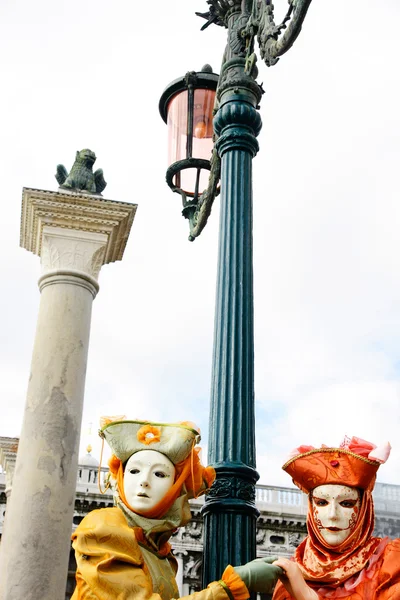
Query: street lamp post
point(230, 512)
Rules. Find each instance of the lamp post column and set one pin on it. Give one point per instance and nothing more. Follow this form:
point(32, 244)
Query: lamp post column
point(75, 234)
point(230, 513)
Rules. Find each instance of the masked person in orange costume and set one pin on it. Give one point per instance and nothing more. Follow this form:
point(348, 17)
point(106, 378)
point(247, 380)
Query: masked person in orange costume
point(123, 553)
point(340, 558)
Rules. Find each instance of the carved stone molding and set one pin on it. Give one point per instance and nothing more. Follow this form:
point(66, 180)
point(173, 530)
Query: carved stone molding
point(295, 539)
point(279, 522)
point(75, 211)
point(72, 250)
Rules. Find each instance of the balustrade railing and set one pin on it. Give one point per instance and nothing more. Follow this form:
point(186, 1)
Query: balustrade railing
point(386, 498)
point(278, 499)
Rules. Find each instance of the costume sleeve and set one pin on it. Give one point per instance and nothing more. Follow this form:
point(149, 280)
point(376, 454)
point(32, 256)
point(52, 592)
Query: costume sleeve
point(389, 573)
point(110, 565)
point(230, 587)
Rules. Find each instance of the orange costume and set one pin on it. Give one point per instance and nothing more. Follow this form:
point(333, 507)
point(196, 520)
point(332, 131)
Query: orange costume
point(362, 567)
point(125, 555)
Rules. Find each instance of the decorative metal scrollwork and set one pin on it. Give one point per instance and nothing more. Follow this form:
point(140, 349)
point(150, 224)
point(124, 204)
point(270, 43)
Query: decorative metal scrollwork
point(274, 40)
point(254, 20)
point(232, 488)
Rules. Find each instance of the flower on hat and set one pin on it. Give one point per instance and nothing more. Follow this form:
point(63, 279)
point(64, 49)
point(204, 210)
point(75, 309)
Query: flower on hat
point(367, 449)
point(380, 453)
point(148, 434)
point(300, 450)
point(354, 444)
point(357, 445)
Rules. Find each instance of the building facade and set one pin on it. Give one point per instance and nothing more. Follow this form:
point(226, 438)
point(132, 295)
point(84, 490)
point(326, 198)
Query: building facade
point(280, 528)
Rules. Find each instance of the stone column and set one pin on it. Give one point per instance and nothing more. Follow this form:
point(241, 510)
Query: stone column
point(179, 574)
point(75, 234)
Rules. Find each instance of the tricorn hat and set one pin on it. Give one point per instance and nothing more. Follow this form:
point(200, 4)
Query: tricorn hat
point(174, 440)
point(354, 464)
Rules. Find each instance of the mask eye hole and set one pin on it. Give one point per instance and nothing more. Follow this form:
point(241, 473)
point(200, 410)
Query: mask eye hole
point(320, 502)
point(348, 503)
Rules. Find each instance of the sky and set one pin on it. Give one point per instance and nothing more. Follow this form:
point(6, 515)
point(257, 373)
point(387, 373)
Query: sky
point(89, 74)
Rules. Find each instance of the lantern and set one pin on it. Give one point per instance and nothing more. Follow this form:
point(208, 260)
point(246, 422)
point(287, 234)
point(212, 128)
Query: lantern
point(187, 106)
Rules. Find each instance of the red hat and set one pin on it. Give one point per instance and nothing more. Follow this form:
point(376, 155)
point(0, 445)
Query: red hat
point(354, 464)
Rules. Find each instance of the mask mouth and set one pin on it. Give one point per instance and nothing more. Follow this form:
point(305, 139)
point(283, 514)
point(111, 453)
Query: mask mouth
point(142, 495)
point(333, 529)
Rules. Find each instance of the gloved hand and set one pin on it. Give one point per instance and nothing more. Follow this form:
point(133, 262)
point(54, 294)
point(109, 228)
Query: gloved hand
point(260, 575)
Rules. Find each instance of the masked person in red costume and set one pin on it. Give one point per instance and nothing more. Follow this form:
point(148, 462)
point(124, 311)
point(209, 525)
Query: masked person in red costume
point(123, 553)
point(340, 558)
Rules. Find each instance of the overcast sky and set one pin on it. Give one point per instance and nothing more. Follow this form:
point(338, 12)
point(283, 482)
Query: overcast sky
point(88, 74)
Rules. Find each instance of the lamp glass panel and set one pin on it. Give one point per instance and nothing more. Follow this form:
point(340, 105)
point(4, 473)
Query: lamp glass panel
point(177, 127)
point(202, 142)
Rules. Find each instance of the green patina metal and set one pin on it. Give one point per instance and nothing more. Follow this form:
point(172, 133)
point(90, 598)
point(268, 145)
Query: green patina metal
point(229, 512)
point(254, 19)
point(81, 177)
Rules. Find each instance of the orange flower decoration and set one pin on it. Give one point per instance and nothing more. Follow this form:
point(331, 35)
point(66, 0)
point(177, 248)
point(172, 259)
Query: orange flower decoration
point(148, 434)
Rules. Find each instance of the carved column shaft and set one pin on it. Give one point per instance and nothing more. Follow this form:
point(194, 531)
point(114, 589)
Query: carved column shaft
point(41, 506)
point(230, 512)
point(35, 547)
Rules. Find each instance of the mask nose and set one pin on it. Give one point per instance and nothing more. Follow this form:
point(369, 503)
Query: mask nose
point(144, 482)
point(333, 511)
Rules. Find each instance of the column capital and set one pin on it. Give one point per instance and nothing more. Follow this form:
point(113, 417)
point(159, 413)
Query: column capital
point(91, 214)
point(72, 256)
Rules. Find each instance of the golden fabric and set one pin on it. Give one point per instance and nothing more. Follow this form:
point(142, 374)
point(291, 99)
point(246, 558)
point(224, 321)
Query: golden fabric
point(162, 573)
point(112, 566)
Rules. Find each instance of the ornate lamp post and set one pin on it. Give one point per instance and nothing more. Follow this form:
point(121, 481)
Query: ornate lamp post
point(230, 513)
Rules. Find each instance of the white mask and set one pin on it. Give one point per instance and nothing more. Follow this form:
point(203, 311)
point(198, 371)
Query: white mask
point(335, 511)
point(147, 478)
